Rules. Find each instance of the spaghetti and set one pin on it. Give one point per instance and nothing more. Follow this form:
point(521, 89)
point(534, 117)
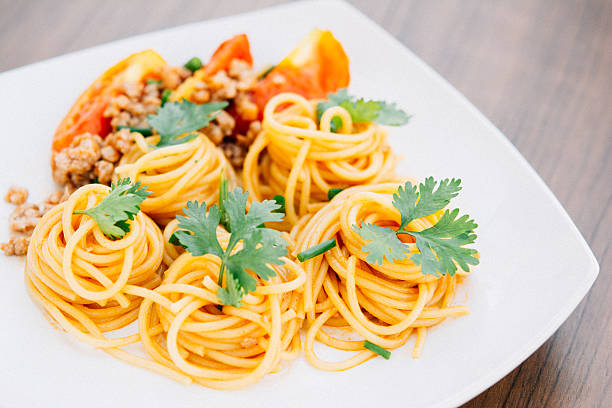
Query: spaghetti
point(87, 283)
point(300, 159)
point(385, 303)
point(175, 174)
point(226, 349)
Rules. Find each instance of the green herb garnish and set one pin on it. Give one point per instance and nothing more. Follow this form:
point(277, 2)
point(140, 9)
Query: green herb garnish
point(193, 64)
point(375, 348)
point(165, 95)
point(179, 118)
point(440, 246)
point(362, 111)
point(317, 250)
point(141, 130)
point(224, 219)
point(332, 192)
point(280, 200)
point(120, 205)
point(153, 81)
point(260, 246)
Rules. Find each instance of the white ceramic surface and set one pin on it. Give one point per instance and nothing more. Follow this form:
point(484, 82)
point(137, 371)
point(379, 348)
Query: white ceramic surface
point(535, 266)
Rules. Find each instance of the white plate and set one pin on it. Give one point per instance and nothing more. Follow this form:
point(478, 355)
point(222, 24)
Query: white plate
point(535, 266)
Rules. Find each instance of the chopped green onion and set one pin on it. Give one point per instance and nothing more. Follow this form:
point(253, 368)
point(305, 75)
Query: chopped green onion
point(317, 250)
point(377, 349)
point(280, 200)
point(194, 64)
point(175, 241)
point(165, 96)
point(223, 197)
point(332, 192)
point(266, 72)
point(142, 131)
point(335, 124)
point(153, 81)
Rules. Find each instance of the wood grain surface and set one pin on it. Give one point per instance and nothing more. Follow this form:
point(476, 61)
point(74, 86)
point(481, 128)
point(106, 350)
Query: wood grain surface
point(540, 70)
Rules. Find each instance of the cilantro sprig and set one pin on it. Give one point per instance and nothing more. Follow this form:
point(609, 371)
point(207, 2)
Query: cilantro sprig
point(362, 110)
point(120, 205)
point(260, 246)
point(441, 247)
point(174, 119)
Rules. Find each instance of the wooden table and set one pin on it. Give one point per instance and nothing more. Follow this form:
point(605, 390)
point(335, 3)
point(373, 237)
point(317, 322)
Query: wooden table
point(540, 70)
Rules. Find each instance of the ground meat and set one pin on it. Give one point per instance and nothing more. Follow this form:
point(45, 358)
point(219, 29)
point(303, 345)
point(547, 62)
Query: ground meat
point(90, 158)
point(58, 196)
point(73, 164)
point(122, 141)
point(109, 154)
point(222, 87)
point(16, 246)
point(251, 134)
point(244, 76)
point(16, 195)
point(103, 170)
point(25, 217)
point(134, 104)
point(235, 154)
point(245, 107)
point(172, 77)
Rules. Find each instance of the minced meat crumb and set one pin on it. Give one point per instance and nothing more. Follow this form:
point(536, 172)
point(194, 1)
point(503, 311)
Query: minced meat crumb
point(16, 246)
point(235, 154)
point(134, 104)
point(25, 217)
point(90, 158)
point(16, 195)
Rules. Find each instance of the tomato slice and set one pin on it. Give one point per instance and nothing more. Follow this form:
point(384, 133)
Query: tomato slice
point(87, 113)
point(316, 67)
point(236, 47)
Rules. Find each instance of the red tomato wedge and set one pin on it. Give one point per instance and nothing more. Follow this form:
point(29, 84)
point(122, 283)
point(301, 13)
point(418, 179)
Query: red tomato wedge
point(236, 47)
point(87, 113)
point(316, 67)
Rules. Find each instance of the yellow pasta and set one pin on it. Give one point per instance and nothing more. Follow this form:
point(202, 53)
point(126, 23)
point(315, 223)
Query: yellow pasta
point(223, 349)
point(175, 174)
point(87, 282)
point(385, 303)
point(295, 157)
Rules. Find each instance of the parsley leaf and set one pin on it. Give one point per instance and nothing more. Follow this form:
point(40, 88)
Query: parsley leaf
point(198, 231)
point(413, 205)
point(362, 110)
point(441, 247)
point(384, 243)
point(120, 205)
point(179, 118)
point(260, 246)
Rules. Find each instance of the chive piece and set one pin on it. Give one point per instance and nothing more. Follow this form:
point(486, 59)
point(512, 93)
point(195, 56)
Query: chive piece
point(153, 81)
point(335, 124)
point(317, 250)
point(280, 200)
point(223, 197)
point(165, 96)
point(266, 72)
point(194, 64)
point(142, 131)
point(332, 192)
point(377, 349)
